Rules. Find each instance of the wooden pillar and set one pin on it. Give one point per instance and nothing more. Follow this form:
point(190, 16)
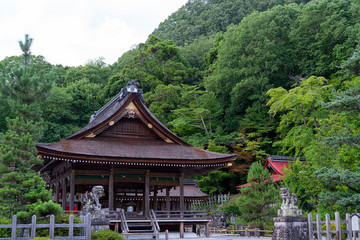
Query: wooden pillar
point(182, 201)
point(168, 201)
point(72, 190)
point(63, 194)
point(181, 230)
point(146, 194)
point(155, 199)
point(57, 191)
point(111, 190)
point(207, 230)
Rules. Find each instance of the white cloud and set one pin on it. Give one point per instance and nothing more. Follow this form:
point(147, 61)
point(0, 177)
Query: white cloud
point(70, 32)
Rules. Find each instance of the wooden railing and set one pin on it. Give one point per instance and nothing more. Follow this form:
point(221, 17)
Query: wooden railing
point(154, 221)
point(180, 214)
point(85, 225)
point(124, 225)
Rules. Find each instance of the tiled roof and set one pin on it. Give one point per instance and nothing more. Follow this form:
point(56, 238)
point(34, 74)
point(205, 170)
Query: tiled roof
point(126, 132)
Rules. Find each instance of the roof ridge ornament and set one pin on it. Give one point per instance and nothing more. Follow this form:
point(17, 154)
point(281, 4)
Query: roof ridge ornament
point(132, 86)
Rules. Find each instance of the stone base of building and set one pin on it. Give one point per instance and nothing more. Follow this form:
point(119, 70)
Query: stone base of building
point(290, 228)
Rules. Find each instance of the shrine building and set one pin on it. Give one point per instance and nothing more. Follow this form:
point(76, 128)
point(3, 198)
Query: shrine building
point(126, 149)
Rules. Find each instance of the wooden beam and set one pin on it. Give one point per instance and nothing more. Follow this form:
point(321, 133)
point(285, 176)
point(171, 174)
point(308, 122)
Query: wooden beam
point(72, 190)
point(62, 176)
point(111, 190)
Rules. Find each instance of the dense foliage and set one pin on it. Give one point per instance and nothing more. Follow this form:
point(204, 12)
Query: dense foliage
point(245, 77)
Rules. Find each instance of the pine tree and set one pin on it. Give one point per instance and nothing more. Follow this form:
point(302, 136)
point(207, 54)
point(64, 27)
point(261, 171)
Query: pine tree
point(257, 203)
point(22, 191)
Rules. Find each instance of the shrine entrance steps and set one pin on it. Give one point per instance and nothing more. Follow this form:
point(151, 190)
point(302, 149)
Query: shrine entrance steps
point(140, 227)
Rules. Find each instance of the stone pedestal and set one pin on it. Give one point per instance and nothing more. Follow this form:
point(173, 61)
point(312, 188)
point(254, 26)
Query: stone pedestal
point(290, 228)
point(98, 224)
point(290, 224)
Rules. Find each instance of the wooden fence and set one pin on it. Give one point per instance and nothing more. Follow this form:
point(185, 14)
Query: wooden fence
point(322, 229)
point(85, 226)
point(210, 203)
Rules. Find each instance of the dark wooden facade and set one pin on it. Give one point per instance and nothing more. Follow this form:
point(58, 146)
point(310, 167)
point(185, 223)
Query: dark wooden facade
point(128, 151)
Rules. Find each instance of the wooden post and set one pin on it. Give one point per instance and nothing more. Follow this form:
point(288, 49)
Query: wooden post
point(71, 227)
point(52, 227)
point(167, 234)
point(328, 226)
point(57, 191)
point(168, 201)
point(349, 226)
point(155, 199)
point(13, 228)
point(318, 226)
point(181, 229)
point(33, 226)
point(88, 226)
point(182, 202)
point(63, 194)
point(247, 233)
point(207, 230)
point(338, 226)
point(146, 194)
point(310, 222)
point(111, 190)
point(72, 190)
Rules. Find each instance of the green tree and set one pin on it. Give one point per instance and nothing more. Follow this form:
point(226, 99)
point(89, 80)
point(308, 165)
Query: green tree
point(325, 34)
point(96, 71)
point(193, 112)
point(257, 203)
point(299, 177)
point(253, 57)
point(199, 18)
point(24, 85)
point(154, 62)
point(302, 111)
point(344, 190)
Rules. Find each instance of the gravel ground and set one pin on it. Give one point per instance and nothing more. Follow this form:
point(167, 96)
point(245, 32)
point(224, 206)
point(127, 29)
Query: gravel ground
point(192, 236)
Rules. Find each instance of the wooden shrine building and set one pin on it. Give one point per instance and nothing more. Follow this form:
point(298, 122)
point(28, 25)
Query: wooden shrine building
point(126, 149)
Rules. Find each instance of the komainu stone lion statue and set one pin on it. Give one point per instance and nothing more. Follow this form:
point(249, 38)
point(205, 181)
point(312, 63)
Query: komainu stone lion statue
point(289, 204)
point(285, 196)
point(90, 202)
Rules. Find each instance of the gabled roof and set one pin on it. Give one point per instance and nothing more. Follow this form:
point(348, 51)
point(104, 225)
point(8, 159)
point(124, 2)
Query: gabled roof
point(125, 132)
point(275, 165)
point(273, 177)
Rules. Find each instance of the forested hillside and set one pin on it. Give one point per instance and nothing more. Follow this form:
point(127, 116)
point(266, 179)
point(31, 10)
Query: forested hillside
point(253, 78)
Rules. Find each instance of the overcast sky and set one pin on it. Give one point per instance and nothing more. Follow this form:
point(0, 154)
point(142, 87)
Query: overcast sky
point(71, 32)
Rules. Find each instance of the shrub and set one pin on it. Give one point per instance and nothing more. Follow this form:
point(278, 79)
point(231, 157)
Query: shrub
point(5, 232)
point(106, 234)
point(62, 231)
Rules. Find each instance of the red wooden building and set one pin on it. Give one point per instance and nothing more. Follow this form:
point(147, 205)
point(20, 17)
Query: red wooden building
point(276, 165)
